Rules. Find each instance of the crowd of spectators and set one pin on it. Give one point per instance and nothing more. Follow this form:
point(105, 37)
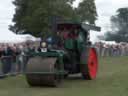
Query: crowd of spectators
point(13, 57)
point(118, 49)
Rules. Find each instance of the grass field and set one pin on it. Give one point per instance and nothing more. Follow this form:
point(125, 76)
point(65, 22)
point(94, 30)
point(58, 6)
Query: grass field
point(112, 80)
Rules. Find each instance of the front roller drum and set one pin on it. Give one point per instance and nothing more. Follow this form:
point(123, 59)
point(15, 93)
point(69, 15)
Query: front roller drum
point(41, 72)
point(89, 70)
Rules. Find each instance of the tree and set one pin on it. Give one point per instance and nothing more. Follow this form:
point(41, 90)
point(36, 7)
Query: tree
point(87, 11)
point(119, 23)
point(35, 16)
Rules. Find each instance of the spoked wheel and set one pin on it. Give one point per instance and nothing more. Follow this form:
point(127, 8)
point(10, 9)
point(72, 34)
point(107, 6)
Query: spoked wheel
point(89, 70)
point(41, 72)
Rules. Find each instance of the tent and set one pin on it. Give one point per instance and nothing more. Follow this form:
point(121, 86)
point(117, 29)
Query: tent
point(27, 37)
point(14, 38)
point(108, 42)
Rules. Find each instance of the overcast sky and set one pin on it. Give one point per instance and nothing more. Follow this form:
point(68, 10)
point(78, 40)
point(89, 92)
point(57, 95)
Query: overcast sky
point(105, 8)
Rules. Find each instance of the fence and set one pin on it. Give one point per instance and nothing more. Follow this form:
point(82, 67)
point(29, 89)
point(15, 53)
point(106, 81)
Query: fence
point(10, 65)
point(110, 51)
point(13, 65)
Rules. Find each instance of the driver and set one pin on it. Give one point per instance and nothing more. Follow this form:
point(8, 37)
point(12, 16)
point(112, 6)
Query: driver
point(58, 40)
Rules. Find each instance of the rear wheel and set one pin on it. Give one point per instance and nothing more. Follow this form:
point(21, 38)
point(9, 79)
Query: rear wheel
point(89, 70)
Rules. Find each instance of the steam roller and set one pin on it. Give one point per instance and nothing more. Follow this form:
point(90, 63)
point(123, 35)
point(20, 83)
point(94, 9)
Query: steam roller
point(68, 51)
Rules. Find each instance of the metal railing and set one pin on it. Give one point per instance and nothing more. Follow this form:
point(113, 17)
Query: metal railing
point(107, 52)
point(12, 66)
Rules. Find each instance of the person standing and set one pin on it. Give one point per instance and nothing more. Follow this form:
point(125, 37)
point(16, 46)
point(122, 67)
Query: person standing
point(1, 52)
point(7, 59)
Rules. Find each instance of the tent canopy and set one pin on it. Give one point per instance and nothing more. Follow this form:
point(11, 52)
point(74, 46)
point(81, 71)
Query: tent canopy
point(13, 38)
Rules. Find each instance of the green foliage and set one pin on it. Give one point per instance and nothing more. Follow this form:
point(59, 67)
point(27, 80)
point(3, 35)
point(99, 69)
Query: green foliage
point(35, 16)
point(87, 11)
point(119, 22)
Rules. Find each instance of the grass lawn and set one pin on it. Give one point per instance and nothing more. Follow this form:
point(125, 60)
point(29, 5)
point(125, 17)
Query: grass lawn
point(112, 80)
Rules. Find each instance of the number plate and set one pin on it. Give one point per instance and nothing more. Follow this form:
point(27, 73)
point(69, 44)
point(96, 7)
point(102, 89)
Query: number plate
point(43, 49)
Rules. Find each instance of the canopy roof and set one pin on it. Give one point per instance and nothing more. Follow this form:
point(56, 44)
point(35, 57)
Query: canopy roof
point(13, 38)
